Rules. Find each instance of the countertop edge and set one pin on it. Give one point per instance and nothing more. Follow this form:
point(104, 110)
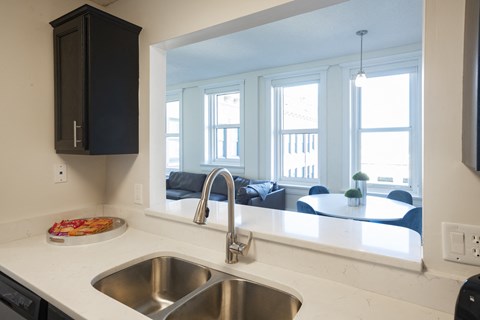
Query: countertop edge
point(410, 263)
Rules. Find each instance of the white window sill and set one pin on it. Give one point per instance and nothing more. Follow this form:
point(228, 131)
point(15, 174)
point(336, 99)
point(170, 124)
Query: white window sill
point(233, 168)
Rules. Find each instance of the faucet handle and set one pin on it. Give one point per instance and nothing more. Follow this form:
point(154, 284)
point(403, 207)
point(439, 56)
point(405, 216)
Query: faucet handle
point(242, 248)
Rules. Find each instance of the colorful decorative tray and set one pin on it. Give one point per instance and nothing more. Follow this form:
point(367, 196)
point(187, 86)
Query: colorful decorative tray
point(85, 230)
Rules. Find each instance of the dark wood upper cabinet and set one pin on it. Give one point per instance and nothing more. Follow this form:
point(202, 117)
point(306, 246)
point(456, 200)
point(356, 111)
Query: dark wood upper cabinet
point(96, 83)
point(471, 88)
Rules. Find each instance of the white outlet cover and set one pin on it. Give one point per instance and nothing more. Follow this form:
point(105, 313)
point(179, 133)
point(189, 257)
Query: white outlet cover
point(461, 243)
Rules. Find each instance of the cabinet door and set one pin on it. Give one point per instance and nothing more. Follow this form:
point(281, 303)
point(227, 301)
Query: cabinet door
point(112, 87)
point(56, 314)
point(69, 46)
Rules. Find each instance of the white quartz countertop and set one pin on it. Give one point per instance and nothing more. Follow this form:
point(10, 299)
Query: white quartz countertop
point(63, 275)
point(373, 242)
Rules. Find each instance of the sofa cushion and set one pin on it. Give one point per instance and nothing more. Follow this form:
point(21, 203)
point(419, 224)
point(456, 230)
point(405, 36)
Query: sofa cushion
point(240, 182)
point(177, 194)
point(213, 196)
point(245, 194)
point(186, 181)
point(217, 197)
point(190, 195)
point(219, 186)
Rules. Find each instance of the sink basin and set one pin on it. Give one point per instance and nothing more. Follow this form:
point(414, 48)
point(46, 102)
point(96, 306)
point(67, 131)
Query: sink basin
point(170, 288)
point(153, 285)
point(238, 299)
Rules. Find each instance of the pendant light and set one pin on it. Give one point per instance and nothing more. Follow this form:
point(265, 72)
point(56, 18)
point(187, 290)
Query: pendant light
point(361, 77)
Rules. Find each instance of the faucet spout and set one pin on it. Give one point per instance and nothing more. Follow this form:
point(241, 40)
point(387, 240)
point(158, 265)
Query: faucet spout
point(201, 214)
point(233, 248)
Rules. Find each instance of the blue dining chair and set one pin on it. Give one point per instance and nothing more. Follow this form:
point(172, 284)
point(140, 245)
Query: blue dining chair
point(318, 190)
point(401, 195)
point(304, 207)
point(411, 220)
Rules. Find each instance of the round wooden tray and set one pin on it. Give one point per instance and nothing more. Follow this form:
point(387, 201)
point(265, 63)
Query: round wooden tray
point(119, 227)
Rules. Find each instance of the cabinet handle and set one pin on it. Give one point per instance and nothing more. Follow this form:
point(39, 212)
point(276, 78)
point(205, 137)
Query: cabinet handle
point(75, 127)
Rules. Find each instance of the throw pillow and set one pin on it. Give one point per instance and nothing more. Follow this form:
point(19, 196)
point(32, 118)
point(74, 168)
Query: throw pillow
point(245, 194)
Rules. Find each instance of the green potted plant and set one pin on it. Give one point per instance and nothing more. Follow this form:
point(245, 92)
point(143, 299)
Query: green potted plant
point(361, 179)
point(354, 195)
point(360, 176)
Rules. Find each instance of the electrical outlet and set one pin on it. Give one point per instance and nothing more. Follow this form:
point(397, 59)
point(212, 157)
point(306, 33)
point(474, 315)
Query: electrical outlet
point(475, 239)
point(138, 193)
point(461, 243)
point(476, 252)
point(60, 173)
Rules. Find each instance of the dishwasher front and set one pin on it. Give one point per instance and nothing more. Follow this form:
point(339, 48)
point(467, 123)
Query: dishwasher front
point(18, 302)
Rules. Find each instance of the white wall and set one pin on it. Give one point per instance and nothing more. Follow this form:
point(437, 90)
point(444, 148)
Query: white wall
point(26, 121)
point(451, 191)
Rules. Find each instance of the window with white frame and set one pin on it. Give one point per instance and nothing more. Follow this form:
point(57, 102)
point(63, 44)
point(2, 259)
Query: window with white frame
point(224, 118)
point(387, 142)
point(296, 104)
point(172, 132)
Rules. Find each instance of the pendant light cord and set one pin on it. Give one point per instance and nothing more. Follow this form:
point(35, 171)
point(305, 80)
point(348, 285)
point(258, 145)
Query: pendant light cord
point(361, 33)
point(361, 53)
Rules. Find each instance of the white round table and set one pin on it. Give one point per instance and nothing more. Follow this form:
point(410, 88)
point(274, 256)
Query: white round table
point(375, 209)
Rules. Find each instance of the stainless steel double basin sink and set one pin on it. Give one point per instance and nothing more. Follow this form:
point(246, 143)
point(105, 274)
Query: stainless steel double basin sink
point(172, 288)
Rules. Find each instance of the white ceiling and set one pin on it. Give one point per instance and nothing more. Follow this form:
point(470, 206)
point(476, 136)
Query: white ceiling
point(321, 34)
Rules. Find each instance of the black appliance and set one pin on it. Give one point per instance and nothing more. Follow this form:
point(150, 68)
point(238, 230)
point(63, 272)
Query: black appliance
point(20, 303)
point(468, 300)
point(17, 302)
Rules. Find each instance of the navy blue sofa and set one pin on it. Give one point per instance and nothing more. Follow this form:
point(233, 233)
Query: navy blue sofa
point(259, 193)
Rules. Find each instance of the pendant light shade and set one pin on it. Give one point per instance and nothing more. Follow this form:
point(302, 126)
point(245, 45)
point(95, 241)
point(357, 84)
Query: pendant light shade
point(361, 77)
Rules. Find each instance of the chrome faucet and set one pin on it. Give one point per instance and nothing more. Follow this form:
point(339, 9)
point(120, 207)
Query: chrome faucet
point(233, 248)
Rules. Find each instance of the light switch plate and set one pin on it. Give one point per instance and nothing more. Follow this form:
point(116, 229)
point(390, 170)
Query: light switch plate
point(461, 243)
point(138, 193)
